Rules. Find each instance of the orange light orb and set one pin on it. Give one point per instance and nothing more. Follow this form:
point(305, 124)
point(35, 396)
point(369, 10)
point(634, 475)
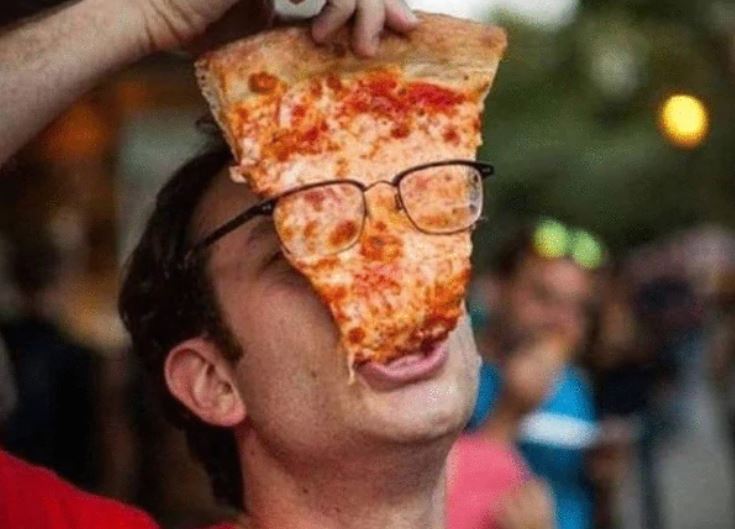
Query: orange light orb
point(684, 121)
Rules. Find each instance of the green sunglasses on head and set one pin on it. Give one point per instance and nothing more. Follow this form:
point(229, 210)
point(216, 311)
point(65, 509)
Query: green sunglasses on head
point(554, 240)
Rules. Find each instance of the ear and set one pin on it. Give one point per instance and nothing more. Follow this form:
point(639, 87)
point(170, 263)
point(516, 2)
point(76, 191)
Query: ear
point(204, 382)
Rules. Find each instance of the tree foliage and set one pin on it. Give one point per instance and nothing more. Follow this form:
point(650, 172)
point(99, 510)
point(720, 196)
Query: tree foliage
point(571, 123)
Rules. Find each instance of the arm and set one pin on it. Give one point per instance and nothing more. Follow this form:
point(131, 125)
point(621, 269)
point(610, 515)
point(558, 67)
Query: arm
point(48, 62)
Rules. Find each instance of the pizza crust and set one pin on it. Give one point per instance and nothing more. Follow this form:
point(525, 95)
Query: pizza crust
point(444, 49)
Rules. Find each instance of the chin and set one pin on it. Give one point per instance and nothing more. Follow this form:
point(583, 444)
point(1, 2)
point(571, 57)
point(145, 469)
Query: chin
point(422, 412)
point(431, 409)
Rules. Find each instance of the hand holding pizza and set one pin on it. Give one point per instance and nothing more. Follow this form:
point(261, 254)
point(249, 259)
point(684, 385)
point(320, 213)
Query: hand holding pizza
point(370, 18)
point(207, 23)
point(42, 70)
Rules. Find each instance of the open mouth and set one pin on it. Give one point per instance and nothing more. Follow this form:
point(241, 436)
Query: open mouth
point(407, 369)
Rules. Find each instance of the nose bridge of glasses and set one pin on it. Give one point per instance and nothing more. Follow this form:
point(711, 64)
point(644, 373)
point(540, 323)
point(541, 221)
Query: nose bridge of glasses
point(382, 195)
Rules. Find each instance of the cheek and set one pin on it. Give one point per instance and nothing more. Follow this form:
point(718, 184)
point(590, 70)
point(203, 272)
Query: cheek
point(285, 299)
point(525, 309)
point(290, 356)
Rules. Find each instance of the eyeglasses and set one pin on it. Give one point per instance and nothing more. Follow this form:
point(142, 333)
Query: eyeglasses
point(554, 240)
point(326, 218)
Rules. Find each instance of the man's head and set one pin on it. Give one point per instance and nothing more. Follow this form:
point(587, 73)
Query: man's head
point(547, 282)
point(248, 350)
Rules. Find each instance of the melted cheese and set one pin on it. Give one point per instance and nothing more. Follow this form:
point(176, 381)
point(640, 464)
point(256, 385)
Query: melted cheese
point(397, 290)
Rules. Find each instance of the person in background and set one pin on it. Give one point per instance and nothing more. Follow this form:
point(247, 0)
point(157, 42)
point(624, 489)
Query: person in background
point(547, 288)
point(489, 484)
point(54, 422)
point(722, 348)
point(623, 377)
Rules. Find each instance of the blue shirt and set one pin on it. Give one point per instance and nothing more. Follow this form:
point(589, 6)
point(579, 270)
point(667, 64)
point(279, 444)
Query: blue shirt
point(553, 440)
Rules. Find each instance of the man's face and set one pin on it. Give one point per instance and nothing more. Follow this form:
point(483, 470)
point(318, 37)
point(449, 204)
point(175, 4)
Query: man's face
point(547, 296)
point(293, 377)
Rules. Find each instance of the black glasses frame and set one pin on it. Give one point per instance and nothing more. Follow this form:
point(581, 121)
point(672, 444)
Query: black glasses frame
point(267, 207)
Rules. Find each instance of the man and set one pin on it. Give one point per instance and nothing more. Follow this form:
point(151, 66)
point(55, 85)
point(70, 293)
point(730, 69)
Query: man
point(240, 341)
point(249, 354)
point(545, 277)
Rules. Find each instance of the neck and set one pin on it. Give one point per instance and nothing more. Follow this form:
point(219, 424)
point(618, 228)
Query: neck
point(393, 488)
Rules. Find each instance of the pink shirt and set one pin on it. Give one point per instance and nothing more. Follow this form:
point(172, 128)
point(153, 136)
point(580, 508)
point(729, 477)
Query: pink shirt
point(481, 474)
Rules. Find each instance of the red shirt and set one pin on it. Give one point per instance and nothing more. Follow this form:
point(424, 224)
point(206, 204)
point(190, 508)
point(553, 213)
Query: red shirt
point(34, 498)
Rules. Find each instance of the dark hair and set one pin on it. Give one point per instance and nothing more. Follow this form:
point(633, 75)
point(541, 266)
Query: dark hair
point(163, 303)
point(513, 252)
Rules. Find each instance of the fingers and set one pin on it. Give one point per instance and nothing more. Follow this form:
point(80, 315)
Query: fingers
point(399, 17)
point(368, 25)
point(370, 18)
point(529, 507)
point(335, 14)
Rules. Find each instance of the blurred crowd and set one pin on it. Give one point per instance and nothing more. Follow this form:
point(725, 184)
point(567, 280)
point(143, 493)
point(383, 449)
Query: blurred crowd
point(606, 394)
point(610, 380)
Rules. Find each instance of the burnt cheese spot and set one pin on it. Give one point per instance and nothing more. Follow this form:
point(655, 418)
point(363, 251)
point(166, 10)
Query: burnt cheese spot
point(316, 88)
point(310, 140)
point(334, 83)
point(336, 294)
point(299, 111)
point(315, 198)
point(310, 229)
point(356, 335)
point(402, 130)
point(451, 135)
point(262, 82)
point(286, 232)
point(343, 234)
point(383, 248)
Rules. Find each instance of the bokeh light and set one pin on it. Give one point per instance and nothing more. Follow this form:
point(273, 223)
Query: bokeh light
point(684, 121)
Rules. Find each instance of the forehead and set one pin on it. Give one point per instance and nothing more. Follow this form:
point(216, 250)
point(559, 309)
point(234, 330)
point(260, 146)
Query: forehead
point(223, 200)
point(556, 273)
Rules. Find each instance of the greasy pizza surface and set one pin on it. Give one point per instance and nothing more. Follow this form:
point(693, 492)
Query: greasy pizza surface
point(295, 113)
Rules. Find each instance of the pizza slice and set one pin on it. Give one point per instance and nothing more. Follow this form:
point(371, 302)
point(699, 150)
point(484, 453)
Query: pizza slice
point(296, 114)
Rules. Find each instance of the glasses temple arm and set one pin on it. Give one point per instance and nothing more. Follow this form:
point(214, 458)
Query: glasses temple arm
point(264, 208)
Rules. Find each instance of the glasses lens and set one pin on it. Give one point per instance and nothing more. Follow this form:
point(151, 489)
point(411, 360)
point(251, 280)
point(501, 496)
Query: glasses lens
point(321, 220)
point(443, 199)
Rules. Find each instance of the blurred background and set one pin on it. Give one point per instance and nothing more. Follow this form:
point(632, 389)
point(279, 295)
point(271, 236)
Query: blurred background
point(616, 118)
